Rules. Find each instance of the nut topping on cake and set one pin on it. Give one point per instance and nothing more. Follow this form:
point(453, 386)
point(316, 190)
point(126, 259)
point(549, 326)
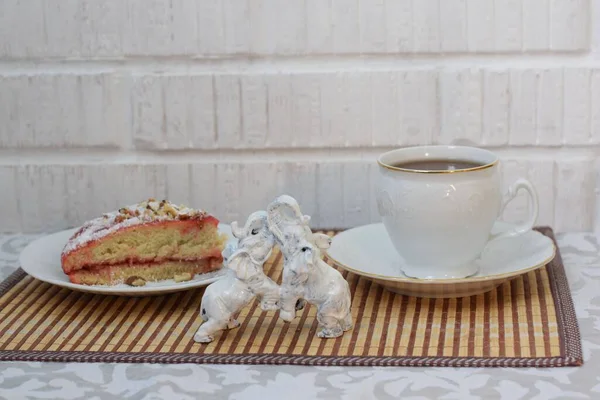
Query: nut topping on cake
point(135, 281)
point(183, 277)
point(138, 214)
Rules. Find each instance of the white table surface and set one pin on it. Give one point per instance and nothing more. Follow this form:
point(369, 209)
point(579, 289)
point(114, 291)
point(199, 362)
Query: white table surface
point(32, 380)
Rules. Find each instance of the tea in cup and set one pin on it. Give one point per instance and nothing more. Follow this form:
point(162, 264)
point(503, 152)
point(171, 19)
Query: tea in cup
point(439, 205)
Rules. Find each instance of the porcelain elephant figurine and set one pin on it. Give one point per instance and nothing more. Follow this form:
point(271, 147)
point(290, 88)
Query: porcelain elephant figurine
point(243, 281)
point(305, 275)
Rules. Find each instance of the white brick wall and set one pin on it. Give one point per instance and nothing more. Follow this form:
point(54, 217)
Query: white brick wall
point(225, 104)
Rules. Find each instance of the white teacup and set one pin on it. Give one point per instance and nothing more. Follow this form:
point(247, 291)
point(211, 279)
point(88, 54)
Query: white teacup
point(441, 220)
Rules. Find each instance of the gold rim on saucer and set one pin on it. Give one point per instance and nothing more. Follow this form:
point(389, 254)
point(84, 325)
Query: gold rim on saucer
point(443, 281)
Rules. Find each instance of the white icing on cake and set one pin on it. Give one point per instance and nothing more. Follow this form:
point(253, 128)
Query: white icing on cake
point(136, 214)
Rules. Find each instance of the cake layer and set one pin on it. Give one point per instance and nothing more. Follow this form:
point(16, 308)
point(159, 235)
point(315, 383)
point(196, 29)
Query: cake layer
point(144, 233)
point(149, 272)
point(153, 242)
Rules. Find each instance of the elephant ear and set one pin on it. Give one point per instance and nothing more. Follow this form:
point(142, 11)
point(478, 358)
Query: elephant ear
point(241, 263)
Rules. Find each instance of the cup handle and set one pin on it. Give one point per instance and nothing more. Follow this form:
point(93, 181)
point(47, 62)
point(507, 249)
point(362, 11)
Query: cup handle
point(530, 222)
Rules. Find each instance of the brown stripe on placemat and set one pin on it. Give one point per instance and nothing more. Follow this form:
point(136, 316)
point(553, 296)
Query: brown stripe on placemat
point(428, 323)
point(472, 324)
point(449, 328)
point(118, 323)
point(296, 327)
point(374, 319)
point(75, 296)
point(457, 327)
point(544, 311)
point(282, 336)
point(443, 324)
point(111, 315)
point(528, 311)
point(536, 322)
point(27, 328)
point(255, 330)
point(344, 343)
point(523, 320)
point(156, 324)
point(405, 324)
point(553, 312)
point(417, 347)
point(92, 321)
point(13, 281)
point(50, 306)
point(515, 317)
point(169, 329)
point(309, 341)
point(486, 324)
point(26, 306)
point(472, 303)
point(463, 349)
point(78, 319)
point(401, 323)
point(361, 309)
point(386, 320)
point(534, 312)
point(414, 327)
point(81, 319)
point(192, 315)
point(501, 323)
point(436, 328)
point(312, 340)
point(22, 289)
point(271, 329)
point(144, 304)
point(21, 305)
point(494, 324)
point(479, 327)
point(7, 303)
point(366, 316)
point(393, 325)
point(220, 341)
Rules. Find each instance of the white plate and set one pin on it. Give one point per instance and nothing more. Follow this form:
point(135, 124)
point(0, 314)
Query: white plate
point(368, 251)
point(41, 259)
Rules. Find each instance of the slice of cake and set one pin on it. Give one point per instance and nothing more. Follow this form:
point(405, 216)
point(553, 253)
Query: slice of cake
point(149, 241)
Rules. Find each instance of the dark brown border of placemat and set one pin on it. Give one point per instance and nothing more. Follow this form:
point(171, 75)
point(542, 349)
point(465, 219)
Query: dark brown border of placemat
point(570, 342)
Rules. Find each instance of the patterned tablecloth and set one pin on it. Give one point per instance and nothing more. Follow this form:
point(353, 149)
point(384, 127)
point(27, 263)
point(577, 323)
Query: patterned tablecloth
point(581, 255)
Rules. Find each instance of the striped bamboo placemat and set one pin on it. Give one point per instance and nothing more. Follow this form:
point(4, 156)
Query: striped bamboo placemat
point(529, 321)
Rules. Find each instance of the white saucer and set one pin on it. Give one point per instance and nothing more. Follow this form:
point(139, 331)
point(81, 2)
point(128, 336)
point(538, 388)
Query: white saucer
point(367, 251)
point(41, 259)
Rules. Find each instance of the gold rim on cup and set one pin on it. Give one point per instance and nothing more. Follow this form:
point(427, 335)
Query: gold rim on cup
point(422, 171)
